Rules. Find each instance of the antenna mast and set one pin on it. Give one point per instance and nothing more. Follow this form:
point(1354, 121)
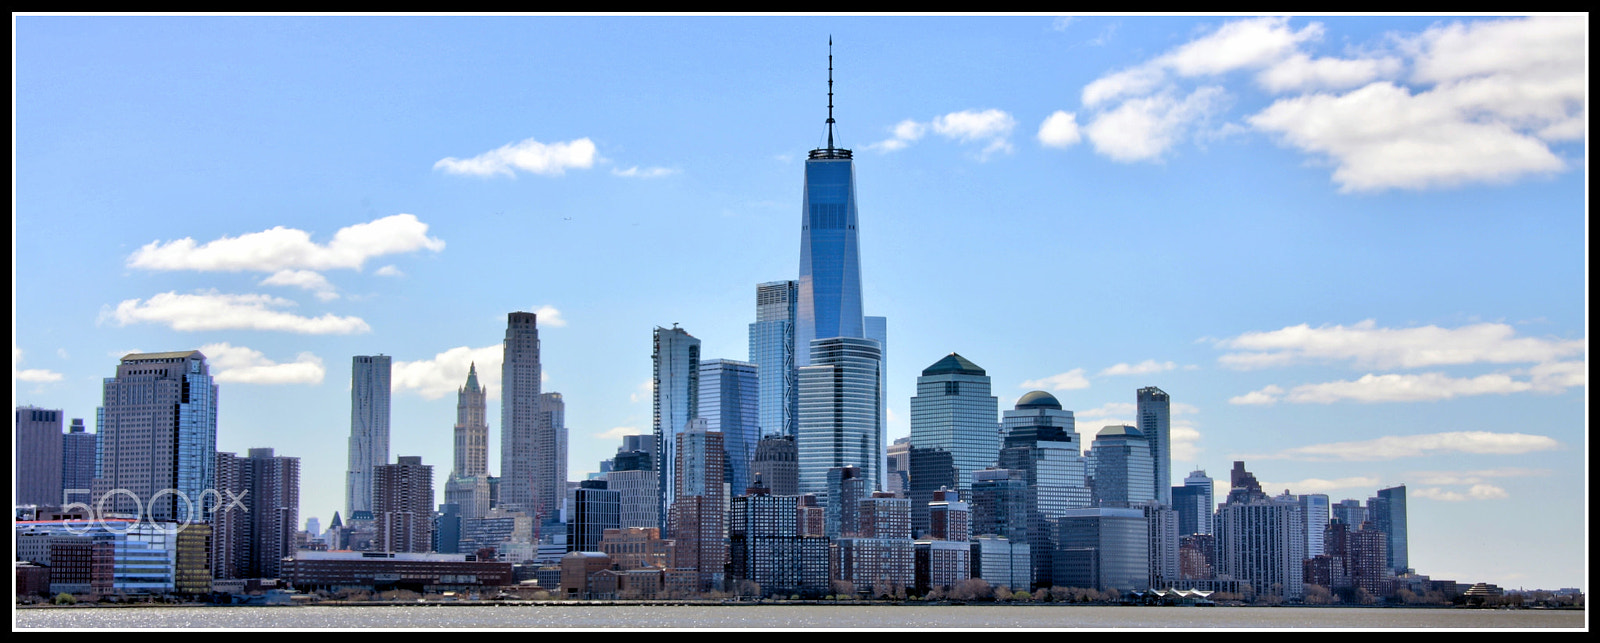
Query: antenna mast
point(830, 93)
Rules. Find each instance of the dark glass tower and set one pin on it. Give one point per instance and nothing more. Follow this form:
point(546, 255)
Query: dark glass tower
point(830, 253)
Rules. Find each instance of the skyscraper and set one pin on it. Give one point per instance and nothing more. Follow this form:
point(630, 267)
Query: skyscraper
point(1155, 421)
point(840, 417)
point(468, 485)
point(1195, 504)
point(772, 350)
point(830, 251)
point(1387, 511)
point(402, 506)
point(698, 516)
point(954, 411)
point(472, 427)
point(250, 538)
point(77, 458)
point(369, 427)
point(728, 403)
point(158, 431)
point(519, 412)
point(777, 464)
point(550, 457)
point(1122, 467)
point(1040, 442)
point(675, 393)
point(38, 452)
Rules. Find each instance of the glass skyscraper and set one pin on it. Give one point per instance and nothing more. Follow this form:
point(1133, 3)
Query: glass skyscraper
point(1155, 421)
point(954, 411)
point(830, 252)
point(728, 391)
point(772, 349)
point(676, 400)
point(840, 416)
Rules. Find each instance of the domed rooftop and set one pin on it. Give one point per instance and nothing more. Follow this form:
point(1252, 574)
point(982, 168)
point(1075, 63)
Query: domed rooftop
point(1038, 400)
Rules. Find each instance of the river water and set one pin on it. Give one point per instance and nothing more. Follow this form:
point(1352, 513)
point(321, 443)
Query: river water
point(789, 616)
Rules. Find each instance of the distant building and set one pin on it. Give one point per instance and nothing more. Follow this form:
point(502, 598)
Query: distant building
point(899, 468)
point(675, 393)
point(38, 454)
point(1123, 467)
point(1155, 421)
point(77, 460)
point(521, 382)
point(930, 471)
point(468, 484)
point(728, 402)
point(1002, 562)
point(1161, 523)
point(953, 410)
point(699, 517)
point(1102, 548)
point(846, 486)
point(1194, 503)
point(777, 463)
point(948, 517)
point(636, 548)
point(1041, 443)
point(429, 573)
point(369, 428)
point(841, 417)
point(767, 547)
point(1387, 511)
point(158, 435)
point(595, 510)
point(402, 506)
point(772, 351)
point(1262, 542)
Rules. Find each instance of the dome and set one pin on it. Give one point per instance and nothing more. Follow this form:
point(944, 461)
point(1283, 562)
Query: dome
point(1038, 400)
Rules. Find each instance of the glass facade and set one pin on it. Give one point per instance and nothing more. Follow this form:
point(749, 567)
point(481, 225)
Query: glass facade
point(772, 350)
point(1155, 421)
point(158, 437)
point(676, 396)
point(369, 427)
point(954, 411)
point(728, 403)
point(1122, 469)
point(830, 254)
point(840, 411)
point(1103, 549)
point(1388, 511)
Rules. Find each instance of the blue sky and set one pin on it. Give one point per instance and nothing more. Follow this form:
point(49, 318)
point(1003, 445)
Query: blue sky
point(1352, 249)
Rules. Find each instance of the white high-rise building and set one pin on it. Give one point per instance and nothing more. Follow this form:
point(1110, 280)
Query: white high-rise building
point(1196, 504)
point(369, 428)
point(520, 374)
point(550, 457)
point(1314, 507)
point(158, 437)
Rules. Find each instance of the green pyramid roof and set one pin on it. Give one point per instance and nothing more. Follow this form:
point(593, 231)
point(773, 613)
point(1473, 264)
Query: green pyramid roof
point(954, 364)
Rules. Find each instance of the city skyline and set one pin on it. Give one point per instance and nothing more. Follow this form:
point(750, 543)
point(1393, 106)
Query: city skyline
point(1130, 203)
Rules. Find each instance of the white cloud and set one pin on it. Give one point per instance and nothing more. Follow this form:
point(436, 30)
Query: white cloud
point(62, 353)
point(1184, 440)
point(643, 392)
point(1267, 395)
point(1365, 344)
point(1110, 408)
point(239, 364)
point(1143, 129)
point(37, 375)
point(1067, 381)
point(1060, 22)
point(529, 155)
point(213, 311)
point(1301, 72)
point(644, 173)
point(1382, 136)
point(617, 433)
point(1060, 129)
point(1395, 387)
point(1142, 368)
point(1242, 44)
point(1179, 408)
point(1128, 82)
point(307, 279)
point(1477, 492)
point(991, 127)
point(283, 248)
point(549, 316)
point(1556, 376)
point(1407, 446)
point(389, 271)
point(1319, 485)
point(1471, 477)
point(446, 372)
point(1500, 89)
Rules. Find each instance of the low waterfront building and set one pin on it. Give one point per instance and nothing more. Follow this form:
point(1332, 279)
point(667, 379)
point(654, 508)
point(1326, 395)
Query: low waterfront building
point(383, 571)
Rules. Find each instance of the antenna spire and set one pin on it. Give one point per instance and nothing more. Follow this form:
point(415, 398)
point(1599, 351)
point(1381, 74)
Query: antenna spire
point(830, 93)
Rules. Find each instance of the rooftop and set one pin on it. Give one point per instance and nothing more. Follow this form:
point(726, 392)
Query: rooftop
point(954, 364)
